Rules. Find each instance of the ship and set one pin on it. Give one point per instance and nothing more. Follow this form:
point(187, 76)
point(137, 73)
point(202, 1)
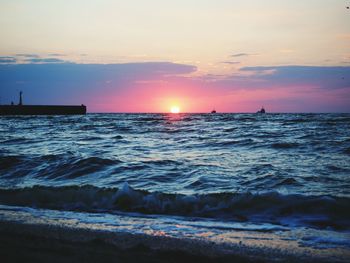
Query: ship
point(261, 111)
point(21, 109)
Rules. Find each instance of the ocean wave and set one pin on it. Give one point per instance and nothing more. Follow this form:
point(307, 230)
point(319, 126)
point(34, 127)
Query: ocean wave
point(230, 129)
point(313, 211)
point(284, 145)
point(296, 121)
point(53, 166)
point(288, 182)
point(164, 162)
point(227, 143)
point(16, 140)
point(347, 151)
point(91, 138)
point(79, 167)
point(9, 162)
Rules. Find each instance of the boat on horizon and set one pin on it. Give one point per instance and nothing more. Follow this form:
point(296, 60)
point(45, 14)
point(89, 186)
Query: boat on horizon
point(261, 111)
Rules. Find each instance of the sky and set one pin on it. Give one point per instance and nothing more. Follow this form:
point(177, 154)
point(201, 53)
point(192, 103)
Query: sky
point(148, 56)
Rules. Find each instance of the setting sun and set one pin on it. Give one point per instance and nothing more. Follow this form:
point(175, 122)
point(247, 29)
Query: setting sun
point(175, 109)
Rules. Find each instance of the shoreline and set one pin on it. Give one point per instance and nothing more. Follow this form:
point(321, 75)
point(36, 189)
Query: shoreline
point(25, 244)
point(37, 243)
point(56, 236)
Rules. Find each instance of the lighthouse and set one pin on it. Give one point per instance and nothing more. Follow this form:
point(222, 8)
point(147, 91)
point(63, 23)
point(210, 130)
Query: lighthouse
point(20, 98)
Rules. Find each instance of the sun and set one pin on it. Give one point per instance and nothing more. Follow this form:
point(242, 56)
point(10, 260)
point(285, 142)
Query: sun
point(175, 109)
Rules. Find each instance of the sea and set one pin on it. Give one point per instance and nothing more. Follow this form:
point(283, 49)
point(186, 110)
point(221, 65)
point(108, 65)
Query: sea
point(222, 178)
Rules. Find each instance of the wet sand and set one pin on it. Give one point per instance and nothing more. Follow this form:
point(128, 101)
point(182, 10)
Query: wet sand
point(34, 243)
point(24, 248)
point(30, 235)
point(26, 244)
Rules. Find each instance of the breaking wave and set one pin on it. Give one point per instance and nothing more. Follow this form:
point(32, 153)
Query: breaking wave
point(291, 210)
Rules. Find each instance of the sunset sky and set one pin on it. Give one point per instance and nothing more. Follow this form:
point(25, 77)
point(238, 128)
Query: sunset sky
point(148, 56)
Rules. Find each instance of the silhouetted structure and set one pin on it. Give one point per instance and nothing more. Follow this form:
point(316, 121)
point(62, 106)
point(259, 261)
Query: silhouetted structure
point(261, 111)
point(213, 111)
point(21, 109)
point(20, 98)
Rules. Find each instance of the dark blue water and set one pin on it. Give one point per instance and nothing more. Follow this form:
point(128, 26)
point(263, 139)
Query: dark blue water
point(282, 169)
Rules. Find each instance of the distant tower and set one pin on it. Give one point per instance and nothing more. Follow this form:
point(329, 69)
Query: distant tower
point(20, 98)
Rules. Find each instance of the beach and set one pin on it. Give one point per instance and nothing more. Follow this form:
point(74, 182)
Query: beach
point(42, 236)
point(174, 131)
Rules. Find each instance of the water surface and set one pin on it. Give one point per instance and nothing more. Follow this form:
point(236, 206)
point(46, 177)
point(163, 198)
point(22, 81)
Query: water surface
point(286, 170)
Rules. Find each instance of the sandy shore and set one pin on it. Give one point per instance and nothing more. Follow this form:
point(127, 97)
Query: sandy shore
point(26, 243)
point(30, 235)
point(25, 248)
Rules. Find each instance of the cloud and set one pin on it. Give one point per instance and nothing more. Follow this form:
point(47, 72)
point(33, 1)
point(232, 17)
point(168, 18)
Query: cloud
point(56, 55)
point(76, 83)
point(319, 76)
point(72, 71)
point(240, 55)
point(231, 62)
point(45, 60)
point(282, 89)
point(7, 60)
point(28, 55)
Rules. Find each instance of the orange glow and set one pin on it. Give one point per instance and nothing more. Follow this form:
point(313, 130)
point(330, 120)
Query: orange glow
point(175, 109)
